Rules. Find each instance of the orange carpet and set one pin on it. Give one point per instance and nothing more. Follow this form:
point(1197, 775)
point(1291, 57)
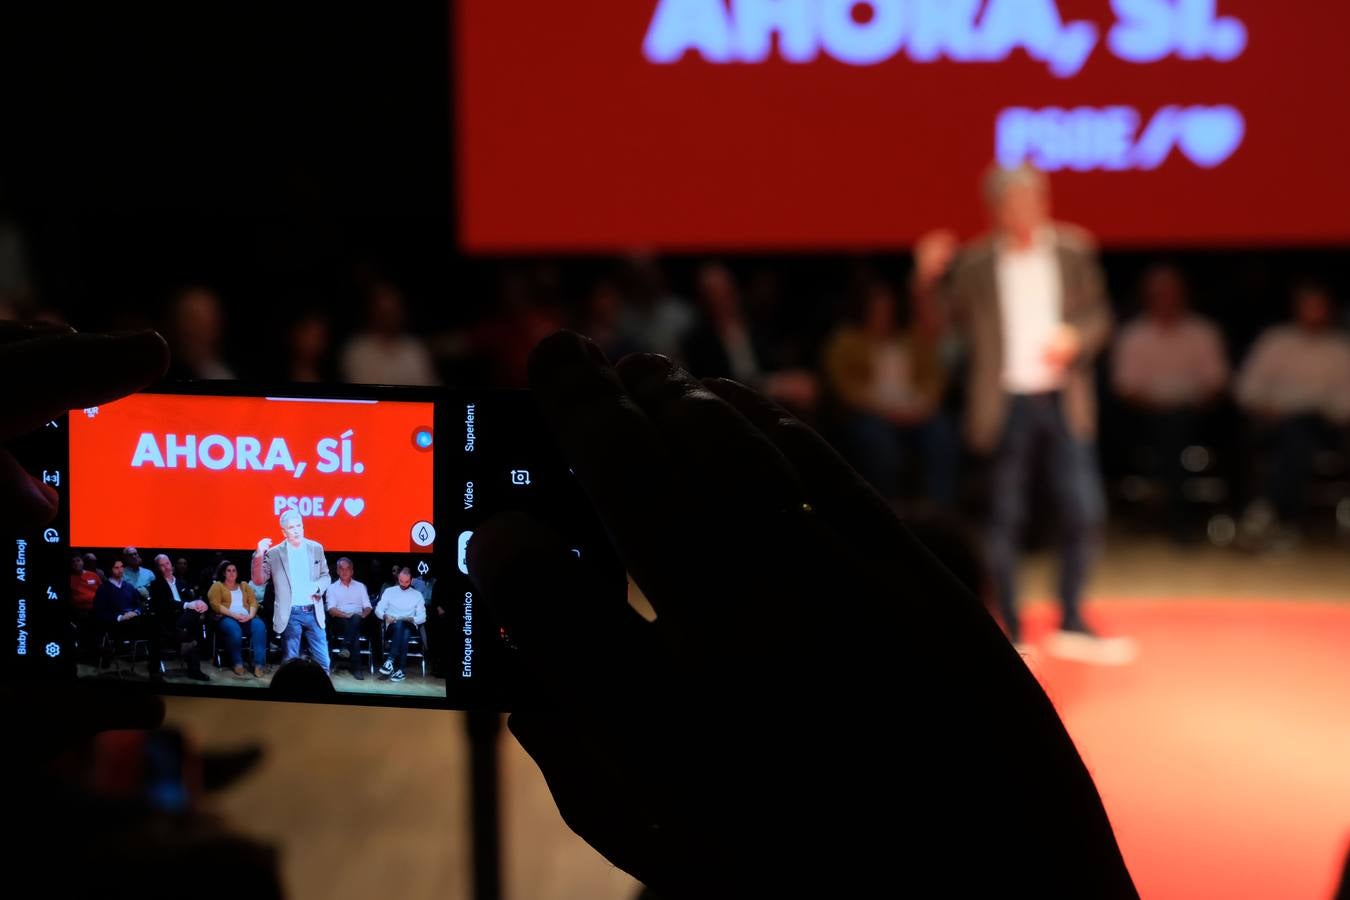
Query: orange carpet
point(1223, 752)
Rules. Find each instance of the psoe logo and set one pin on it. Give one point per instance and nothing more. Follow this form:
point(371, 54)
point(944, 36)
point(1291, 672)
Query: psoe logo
point(1086, 139)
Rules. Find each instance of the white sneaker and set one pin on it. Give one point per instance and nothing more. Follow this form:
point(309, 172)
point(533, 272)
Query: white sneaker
point(1076, 646)
point(387, 668)
point(397, 676)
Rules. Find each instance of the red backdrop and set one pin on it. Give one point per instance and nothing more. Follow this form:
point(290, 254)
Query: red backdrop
point(571, 138)
point(127, 486)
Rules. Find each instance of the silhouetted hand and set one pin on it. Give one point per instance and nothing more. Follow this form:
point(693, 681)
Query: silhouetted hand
point(819, 709)
point(47, 370)
point(1064, 347)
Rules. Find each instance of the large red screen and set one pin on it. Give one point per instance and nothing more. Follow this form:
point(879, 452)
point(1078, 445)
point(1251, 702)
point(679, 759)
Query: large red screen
point(775, 124)
point(174, 470)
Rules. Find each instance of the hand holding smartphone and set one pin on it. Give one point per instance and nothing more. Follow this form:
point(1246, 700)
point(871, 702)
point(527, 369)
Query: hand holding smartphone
point(375, 492)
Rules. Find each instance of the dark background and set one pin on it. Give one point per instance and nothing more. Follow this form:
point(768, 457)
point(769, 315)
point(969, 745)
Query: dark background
point(273, 153)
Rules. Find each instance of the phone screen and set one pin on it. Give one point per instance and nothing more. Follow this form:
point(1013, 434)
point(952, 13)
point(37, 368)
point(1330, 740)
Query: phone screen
point(208, 533)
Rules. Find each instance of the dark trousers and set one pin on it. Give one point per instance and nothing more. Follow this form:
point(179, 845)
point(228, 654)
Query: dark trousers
point(184, 633)
point(399, 632)
point(232, 633)
point(1037, 436)
point(1291, 444)
point(1168, 433)
point(351, 630)
point(139, 628)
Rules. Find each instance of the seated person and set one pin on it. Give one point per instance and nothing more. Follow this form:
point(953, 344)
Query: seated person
point(1168, 367)
point(83, 585)
point(91, 565)
point(402, 610)
point(178, 620)
point(347, 599)
point(236, 607)
point(186, 586)
point(1295, 384)
point(121, 614)
point(137, 575)
point(889, 382)
point(726, 343)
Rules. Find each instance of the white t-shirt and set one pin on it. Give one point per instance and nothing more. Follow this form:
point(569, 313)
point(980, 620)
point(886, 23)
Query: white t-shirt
point(1030, 296)
point(1170, 365)
point(297, 566)
point(237, 602)
point(1292, 371)
point(370, 359)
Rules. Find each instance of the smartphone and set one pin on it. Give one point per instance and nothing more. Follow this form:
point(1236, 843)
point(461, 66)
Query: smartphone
point(199, 520)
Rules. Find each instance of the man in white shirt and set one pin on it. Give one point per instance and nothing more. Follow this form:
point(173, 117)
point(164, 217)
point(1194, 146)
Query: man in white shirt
point(1032, 303)
point(1168, 367)
point(1295, 384)
point(299, 571)
point(348, 600)
point(385, 353)
point(402, 609)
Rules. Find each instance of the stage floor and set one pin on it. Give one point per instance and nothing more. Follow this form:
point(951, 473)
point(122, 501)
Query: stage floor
point(1222, 753)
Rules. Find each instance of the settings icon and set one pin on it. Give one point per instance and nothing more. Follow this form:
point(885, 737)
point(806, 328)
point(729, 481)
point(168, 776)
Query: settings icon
point(53, 649)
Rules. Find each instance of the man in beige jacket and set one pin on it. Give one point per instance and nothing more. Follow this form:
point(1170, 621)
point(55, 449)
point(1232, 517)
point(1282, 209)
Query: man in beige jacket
point(1031, 303)
point(299, 572)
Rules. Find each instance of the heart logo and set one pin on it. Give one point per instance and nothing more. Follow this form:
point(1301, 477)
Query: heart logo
point(1210, 134)
point(354, 506)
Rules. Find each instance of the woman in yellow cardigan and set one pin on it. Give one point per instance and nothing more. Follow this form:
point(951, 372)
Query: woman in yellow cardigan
point(236, 605)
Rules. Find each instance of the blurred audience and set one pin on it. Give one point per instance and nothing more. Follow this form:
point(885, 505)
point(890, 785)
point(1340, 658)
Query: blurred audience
point(888, 383)
point(653, 319)
point(385, 353)
point(309, 354)
point(528, 310)
point(1169, 368)
point(601, 319)
point(1295, 386)
point(721, 345)
point(196, 335)
point(726, 344)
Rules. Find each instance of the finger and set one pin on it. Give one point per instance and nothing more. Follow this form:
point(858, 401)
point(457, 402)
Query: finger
point(21, 331)
point(579, 639)
point(852, 509)
point(835, 491)
point(730, 461)
point(596, 786)
point(47, 376)
point(621, 462)
point(25, 502)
